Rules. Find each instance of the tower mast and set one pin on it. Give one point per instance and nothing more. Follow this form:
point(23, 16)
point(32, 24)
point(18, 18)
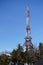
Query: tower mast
point(28, 38)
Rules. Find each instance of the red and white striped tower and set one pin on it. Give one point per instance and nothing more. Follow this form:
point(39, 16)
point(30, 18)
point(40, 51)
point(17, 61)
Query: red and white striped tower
point(28, 38)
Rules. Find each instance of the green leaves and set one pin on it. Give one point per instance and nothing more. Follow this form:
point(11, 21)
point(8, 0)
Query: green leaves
point(41, 49)
point(4, 59)
point(32, 55)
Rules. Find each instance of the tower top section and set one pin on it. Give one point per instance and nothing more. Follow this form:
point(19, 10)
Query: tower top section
point(27, 11)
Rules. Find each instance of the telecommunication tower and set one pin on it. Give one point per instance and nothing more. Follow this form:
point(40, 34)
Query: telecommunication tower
point(28, 38)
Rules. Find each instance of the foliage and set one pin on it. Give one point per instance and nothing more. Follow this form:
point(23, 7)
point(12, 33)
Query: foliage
point(41, 49)
point(32, 55)
point(4, 59)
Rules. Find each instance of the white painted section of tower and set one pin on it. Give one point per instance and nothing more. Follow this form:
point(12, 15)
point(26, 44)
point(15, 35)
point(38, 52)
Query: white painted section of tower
point(27, 21)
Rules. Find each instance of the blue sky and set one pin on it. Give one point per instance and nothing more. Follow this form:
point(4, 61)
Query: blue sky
point(13, 22)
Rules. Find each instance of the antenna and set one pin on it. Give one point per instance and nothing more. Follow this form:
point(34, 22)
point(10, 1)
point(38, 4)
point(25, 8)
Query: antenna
point(28, 38)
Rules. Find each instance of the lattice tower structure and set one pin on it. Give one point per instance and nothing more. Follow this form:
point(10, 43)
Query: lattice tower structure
point(28, 38)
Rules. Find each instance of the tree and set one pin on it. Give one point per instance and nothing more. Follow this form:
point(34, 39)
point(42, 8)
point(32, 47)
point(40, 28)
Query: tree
point(17, 54)
point(41, 49)
point(4, 59)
